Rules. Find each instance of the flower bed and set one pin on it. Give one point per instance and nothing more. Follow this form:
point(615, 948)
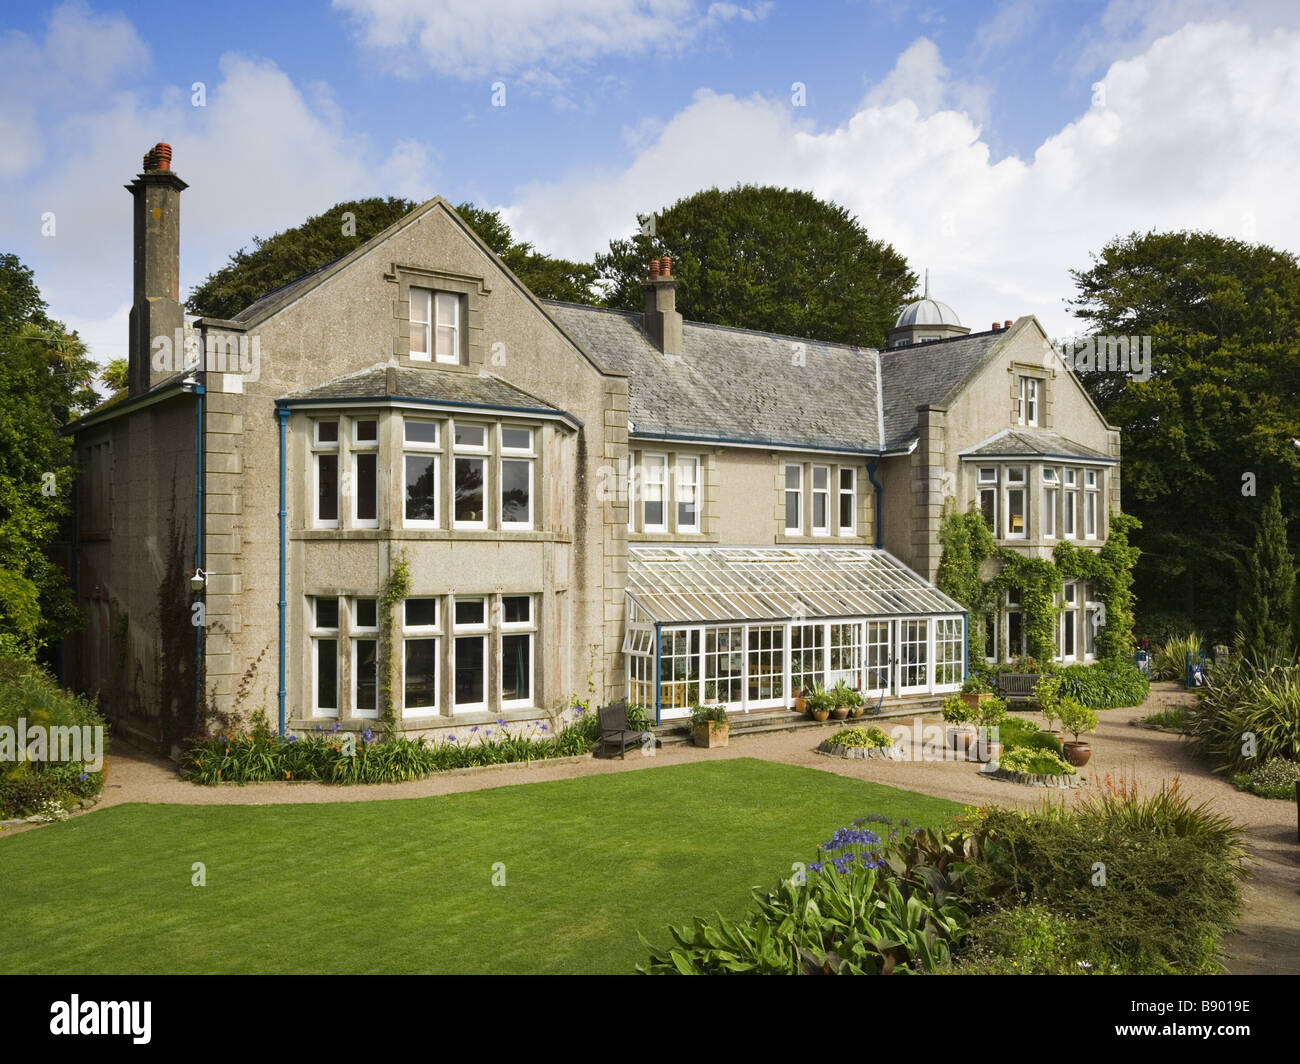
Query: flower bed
point(335, 756)
point(860, 743)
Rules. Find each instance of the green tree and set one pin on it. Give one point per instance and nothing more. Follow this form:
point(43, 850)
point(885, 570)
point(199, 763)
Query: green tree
point(45, 381)
point(774, 259)
point(274, 261)
point(1264, 610)
point(1216, 416)
point(115, 376)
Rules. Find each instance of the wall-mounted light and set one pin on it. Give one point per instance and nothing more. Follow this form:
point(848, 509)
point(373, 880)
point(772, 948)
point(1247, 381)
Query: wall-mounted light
point(199, 580)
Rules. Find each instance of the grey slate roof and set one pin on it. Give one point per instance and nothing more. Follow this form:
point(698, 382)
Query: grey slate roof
point(735, 384)
point(430, 385)
point(921, 374)
point(1033, 443)
point(282, 295)
point(739, 384)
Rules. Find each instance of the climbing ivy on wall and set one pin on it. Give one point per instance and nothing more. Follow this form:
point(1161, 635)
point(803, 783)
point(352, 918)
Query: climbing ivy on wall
point(968, 545)
point(395, 589)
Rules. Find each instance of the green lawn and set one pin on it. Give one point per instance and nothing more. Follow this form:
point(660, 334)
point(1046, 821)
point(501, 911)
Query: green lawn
point(405, 885)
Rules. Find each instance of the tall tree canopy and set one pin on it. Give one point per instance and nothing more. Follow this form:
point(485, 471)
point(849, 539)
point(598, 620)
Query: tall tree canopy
point(277, 260)
point(45, 381)
point(1208, 436)
point(1265, 598)
point(767, 258)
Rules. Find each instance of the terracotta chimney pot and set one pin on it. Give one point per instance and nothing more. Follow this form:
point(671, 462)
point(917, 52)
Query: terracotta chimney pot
point(1007, 324)
point(666, 266)
point(654, 269)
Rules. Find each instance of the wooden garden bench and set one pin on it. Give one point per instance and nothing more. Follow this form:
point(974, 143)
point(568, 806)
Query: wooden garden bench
point(1017, 688)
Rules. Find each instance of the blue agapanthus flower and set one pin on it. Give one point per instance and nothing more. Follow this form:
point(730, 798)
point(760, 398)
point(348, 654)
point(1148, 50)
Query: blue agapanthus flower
point(293, 738)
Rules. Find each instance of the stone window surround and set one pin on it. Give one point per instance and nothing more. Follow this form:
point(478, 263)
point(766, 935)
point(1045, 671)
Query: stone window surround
point(391, 477)
point(706, 495)
point(832, 537)
point(445, 633)
point(1035, 484)
point(473, 291)
point(1044, 376)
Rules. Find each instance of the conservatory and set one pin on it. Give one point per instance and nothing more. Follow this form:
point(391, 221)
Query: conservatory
point(748, 627)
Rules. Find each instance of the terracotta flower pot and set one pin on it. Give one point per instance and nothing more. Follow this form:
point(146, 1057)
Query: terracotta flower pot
point(840, 712)
point(960, 738)
point(1078, 753)
point(820, 714)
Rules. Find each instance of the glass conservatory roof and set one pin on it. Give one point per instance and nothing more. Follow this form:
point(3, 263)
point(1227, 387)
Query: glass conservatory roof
point(703, 585)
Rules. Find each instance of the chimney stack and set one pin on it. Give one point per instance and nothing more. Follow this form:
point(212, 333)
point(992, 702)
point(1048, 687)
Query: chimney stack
point(156, 311)
point(662, 322)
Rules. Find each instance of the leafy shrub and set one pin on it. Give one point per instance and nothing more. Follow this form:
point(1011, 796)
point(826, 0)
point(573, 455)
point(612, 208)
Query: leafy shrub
point(957, 712)
point(1275, 778)
point(1077, 719)
point(860, 738)
point(1247, 713)
point(1169, 658)
point(705, 714)
point(1172, 875)
point(872, 905)
point(324, 757)
point(1026, 940)
point(1175, 718)
point(1104, 684)
point(27, 691)
point(1034, 762)
point(1017, 732)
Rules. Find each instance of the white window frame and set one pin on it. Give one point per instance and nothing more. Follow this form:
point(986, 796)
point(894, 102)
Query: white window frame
point(850, 493)
point(1091, 504)
point(1011, 487)
point(425, 449)
point(356, 633)
point(654, 480)
point(686, 489)
point(823, 495)
point(323, 449)
point(1050, 491)
point(358, 448)
point(1070, 620)
point(427, 305)
point(471, 452)
point(523, 455)
point(525, 628)
point(318, 635)
point(990, 483)
point(1028, 404)
point(479, 630)
point(424, 632)
point(797, 492)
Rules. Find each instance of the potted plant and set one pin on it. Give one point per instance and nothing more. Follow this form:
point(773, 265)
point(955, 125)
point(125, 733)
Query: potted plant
point(800, 696)
point(856, 707)
point(991, 712)
point(842, 699)
point(709, 725)
point(820, 702)
point(1047, 693)
point(975, 690)
point(960, 719)
point(1078, 720)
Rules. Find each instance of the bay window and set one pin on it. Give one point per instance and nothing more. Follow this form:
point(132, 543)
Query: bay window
point(988, 481)
point(469, 654)
point(420, 646)
point(1069, 523)
point(1091, 501)
point(365, 473)
point(421, 461)
point(365, 658)
point(1050, 491)
point(517, 628)
point(1017, 511)
point(325, 447)
point(516, 477)
point(470, 476)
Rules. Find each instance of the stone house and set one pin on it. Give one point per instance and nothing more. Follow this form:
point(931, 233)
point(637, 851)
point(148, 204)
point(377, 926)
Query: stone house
point(403, 481)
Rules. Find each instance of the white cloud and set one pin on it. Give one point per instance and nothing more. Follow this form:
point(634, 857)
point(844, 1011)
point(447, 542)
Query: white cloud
point(471, 39)
point(261, 156)
point(920, 76)
point(1191, 137)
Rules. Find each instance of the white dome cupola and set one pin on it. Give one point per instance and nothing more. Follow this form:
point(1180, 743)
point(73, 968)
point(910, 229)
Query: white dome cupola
point(925, 320)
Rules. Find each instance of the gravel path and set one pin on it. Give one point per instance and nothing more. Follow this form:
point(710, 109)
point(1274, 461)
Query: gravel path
point(1268, 937)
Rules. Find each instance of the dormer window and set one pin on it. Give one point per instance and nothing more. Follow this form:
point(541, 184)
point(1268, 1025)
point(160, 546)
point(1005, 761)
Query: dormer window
point(435, 326)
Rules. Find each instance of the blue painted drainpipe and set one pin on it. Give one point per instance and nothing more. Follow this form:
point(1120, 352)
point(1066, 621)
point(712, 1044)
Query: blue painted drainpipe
point(283, 414)
point(871, 476)
point(200, 392)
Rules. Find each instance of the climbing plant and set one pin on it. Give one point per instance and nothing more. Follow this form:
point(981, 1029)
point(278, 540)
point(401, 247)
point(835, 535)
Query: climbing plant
point(395, 589)
point(968, 544)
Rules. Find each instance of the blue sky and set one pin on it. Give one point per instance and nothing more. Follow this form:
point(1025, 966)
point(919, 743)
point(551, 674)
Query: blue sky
point(973, 136)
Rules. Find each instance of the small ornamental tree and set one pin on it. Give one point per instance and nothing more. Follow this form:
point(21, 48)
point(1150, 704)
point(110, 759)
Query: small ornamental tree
point(1264, 607)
